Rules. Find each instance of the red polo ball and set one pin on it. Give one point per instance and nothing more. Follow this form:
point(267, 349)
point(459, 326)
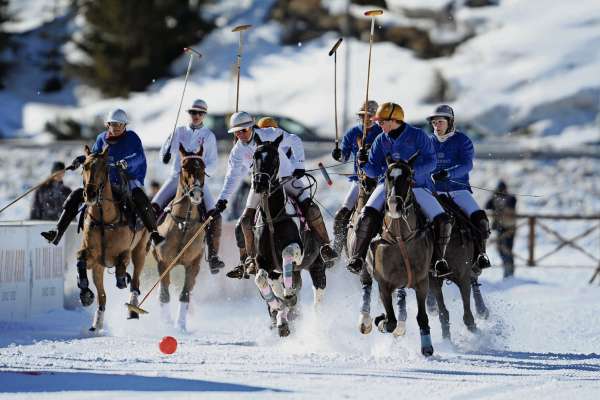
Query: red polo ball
point(168, 345)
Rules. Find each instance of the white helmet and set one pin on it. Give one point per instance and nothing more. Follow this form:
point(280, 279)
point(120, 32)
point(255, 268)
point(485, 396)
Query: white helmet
point(240, 120)
point(199, 105)
point(116, 115)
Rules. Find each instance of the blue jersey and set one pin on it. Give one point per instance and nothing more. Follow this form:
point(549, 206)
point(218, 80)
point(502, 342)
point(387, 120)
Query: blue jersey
point(408, 142)
point(455, 155)
point(350, 143)
point(127, 147)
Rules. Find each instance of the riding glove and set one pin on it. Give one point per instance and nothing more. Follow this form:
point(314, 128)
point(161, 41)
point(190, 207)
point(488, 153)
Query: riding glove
point(76, 163)
point(441, 175)
point(337, 154)
point(122, 164)
point(362, 156)
point(299, 173)
point(221, 205)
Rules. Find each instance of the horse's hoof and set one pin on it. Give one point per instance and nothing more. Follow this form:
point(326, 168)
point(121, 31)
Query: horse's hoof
point(427, 351)
point(400, 329)
point(87, 297)
point(133, 315)
point(365, 323)
point(92, 329)
point(379, 322)
point(473, 328)
point(483, 313)
point(284, 329)
point(122, 282)
point(390, 326)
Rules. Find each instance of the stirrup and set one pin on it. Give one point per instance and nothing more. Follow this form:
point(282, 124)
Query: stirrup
point(353, 267)
point(328, 253)
point(237, 273)
point(445, 271)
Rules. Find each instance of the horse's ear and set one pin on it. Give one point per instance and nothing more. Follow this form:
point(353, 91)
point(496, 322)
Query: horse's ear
point(278, 141)
point(388, 159)
point(257, 140)
point(182, 150)
point(104, 151)
point(411, 159)
point(86, 150)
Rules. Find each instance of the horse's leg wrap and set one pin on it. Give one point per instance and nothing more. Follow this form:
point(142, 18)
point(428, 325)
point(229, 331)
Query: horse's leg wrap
point(401, 302)
point(292, 255)
point(182, 315)
point(98, 321)
point(262, 282)
point(426, 345)
point(480, 307)
point(82, 279)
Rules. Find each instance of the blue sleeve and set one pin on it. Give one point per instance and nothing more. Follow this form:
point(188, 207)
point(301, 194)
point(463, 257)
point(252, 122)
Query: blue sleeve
point(97, 148)
point(376, 166)
point(136, 161)
point(347, 142)
point(426, 161)
point(464, 164)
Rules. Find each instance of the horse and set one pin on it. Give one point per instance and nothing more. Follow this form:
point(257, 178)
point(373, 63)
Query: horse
point(109, 237)
point(461, 257)
point(178, 227)
point(401, 257)
point(280, 257)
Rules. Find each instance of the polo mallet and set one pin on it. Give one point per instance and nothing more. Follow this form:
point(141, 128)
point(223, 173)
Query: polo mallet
point(138, 308)
point(333, 52)
point(192, 52)
point(35, 187)
point(325, 174)
point(372, 14)
point(240, 29)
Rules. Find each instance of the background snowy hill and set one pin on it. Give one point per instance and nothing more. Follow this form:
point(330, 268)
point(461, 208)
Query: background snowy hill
point(529, 69)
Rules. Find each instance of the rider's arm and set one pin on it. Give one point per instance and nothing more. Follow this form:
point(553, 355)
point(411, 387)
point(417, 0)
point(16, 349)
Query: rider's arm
point(209, 154)
point(295, 143)
point(136, 160)
point(99, 144)
point(464, 163)
point(348, 142)
point(237, 168)
point(172, 143)
point(376, 165)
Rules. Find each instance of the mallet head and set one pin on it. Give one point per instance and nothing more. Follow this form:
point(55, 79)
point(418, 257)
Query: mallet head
point(240, 28)
point(335, 46)
point(373, 13)
point(190, 50)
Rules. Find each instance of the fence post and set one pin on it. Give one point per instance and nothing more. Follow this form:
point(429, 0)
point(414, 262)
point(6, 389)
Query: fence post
point(531, 259)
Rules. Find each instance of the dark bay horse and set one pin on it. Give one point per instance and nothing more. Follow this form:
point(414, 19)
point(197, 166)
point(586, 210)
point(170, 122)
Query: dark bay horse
point(108, 238)
point(282, 252)
point(178, 227)
point(401, 258)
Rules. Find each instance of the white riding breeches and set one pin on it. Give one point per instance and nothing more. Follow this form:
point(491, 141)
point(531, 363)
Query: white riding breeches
point(169, 189)
point(296, 188)
point(427, 202)
point(351, 196)
point(464, 199)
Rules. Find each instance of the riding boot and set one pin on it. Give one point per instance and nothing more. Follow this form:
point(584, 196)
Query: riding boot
point(340, 229)
point(442, 228)
point(70, 210)
point(314, 219)
point(144, 210)
point(367, 226)
point(481, 222)
point(213, 239)
point(239, 271)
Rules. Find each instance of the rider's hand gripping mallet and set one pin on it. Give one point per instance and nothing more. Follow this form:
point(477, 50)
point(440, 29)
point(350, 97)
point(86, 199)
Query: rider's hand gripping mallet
point(333, 52)
point(240, 29)
point(137, 308)
point(372, 14)
point(192, 52)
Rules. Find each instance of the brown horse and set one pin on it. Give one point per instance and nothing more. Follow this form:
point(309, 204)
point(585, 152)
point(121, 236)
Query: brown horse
point(178, 227)
point(108, 239)
point(403, 255)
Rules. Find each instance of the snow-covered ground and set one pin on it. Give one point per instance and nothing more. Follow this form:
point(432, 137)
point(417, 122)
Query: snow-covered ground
point(541, 341)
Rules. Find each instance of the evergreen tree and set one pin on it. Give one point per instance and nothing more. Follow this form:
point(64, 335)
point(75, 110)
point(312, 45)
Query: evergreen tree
point(131, 43)
point(4, 40)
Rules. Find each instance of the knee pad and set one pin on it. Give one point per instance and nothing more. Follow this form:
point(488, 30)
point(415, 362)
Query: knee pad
point(239, 235)
point(293, 252)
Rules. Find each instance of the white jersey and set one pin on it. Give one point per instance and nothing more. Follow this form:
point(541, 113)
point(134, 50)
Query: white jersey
point(192, 139)
point(240, 157)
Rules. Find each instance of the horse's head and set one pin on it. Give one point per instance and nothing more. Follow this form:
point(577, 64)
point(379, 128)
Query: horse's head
point(399, 182)
point(266, 164)
point(192, 174)
point(95, 175)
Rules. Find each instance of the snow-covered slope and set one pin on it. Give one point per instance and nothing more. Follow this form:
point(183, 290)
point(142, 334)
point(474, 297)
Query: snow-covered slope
point(530, 65)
